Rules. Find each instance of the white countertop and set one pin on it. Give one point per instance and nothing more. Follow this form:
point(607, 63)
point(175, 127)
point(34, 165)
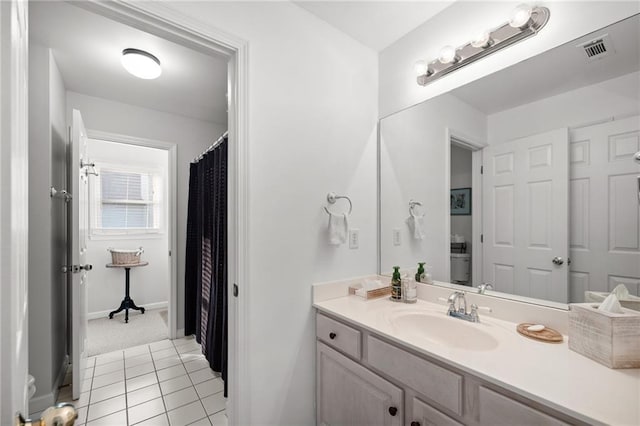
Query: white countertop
point(547, 373)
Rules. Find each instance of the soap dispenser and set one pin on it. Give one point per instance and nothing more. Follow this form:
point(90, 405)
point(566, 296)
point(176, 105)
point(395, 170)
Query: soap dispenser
point(396, 285)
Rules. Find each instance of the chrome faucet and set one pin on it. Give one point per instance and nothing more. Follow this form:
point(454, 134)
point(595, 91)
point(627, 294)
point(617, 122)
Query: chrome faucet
point(484, 287)
point(458, 308)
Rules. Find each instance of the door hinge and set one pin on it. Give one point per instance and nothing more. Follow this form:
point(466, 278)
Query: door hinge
point(76, 268)
point(482, 238)
point(481, 170)
point(169, 253)
point(235, 290)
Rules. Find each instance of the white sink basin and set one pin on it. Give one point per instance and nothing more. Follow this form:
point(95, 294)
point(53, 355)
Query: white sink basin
point(443, 330)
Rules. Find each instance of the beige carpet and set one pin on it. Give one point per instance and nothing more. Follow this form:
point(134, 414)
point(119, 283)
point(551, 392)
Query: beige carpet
point(107, 335)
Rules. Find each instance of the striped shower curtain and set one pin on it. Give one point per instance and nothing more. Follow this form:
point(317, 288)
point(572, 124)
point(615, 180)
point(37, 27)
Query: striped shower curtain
point(206, 258)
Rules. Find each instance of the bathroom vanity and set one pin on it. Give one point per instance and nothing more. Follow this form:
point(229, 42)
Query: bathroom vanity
point(386, 363)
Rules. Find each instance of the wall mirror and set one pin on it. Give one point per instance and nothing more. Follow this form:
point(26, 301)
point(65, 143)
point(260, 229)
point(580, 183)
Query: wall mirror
point(525, 179)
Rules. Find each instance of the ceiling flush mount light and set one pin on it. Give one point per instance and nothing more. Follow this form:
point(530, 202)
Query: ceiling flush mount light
point(141, 64)
point(524, 22)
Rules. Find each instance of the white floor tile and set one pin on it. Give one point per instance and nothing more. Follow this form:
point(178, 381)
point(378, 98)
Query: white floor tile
point(139, 370)
point(138, 360)
point(201, 422)
point(103, 369)
point(107, 379)
point(106, 392)
point(141, 381)
point(219, 419)
point(143, 395)
point(184, 341)
point(171, 372)
point(115, 419)
point(86, 385)
point(175, 384)
point(189, 347)
point(193, 354)
point(214, 403)
point(186, 414)
point(135, 351)
point(167, 362)
point(109, 357)
point(161, 420)
point(196, 365)
point(162, 344)
point(146, 410)
point(83, 401)
point(202, 375)
point(91, 361)
point(209, 387)
point(164, 353)
point(182, 397)
point(106, 407)
point(82, 416)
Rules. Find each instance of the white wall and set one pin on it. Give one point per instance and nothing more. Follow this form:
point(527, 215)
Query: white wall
point(617, 97)
point(191, 137)
point(461, 178)
point(47, 227)
point(149, 284)
point(413, 164)
point(312, 129)
point(458, 23)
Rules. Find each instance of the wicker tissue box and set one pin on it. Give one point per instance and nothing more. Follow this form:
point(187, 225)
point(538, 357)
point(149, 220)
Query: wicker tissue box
point(610, 339)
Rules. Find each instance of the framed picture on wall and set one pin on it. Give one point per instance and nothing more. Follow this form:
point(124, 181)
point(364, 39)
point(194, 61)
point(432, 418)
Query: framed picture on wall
point(461, 202)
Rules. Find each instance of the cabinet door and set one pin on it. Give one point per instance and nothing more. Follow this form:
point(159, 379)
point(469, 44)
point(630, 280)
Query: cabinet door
point(349, 394)
point(499, 410)
point(425, 415)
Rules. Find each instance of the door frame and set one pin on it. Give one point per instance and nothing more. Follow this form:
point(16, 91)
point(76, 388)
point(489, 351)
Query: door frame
point(164, 21)
point(172, 177)
point(475, 146)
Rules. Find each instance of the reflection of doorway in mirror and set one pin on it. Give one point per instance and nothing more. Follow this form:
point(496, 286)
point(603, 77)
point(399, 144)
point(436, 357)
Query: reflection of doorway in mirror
point(461, 214)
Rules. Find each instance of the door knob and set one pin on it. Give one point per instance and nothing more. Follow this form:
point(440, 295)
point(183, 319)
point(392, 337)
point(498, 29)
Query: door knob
point(557, 260)
point(332, 336)
point(393, 411)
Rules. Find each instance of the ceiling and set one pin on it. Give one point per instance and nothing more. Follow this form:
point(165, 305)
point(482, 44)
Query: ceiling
point(87, 49)
point(376, 24)
point(557, 71)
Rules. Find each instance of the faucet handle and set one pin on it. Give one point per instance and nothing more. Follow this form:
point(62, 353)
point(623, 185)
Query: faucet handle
point(475, 308)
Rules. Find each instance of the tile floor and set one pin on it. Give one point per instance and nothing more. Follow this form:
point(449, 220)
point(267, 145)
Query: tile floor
point(163, 383)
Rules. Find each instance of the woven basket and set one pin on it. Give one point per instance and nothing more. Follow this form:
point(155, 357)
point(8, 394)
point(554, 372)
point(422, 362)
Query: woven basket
point(125, 257)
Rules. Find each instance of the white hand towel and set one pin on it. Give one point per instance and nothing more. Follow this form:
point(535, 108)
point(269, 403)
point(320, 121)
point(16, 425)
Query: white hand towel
point(416, 225)
point(338, 229)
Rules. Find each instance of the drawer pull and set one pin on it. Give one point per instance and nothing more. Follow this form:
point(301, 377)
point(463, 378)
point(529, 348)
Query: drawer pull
point(393, 411)
point(415, 423)
point(332, 335)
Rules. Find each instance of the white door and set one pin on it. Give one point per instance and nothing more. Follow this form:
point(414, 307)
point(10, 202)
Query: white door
point(78, 229)
point(526, 216)
point(605, 213)
point(14, 210)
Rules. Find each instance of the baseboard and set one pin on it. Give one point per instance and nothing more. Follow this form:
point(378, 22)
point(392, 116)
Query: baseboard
point(40, 403)
point(147, 306)
point(180, 333)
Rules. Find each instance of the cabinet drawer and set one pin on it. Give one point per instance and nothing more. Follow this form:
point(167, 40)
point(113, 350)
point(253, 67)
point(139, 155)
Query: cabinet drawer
point(434, 382)
point(497, 409)
point(339, 335)
point(426, 415)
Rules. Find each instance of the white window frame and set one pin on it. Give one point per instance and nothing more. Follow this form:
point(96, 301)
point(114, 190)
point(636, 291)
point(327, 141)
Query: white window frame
point(95, 202)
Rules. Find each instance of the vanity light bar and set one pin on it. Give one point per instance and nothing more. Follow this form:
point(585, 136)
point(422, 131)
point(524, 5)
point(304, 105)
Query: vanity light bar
point(524, 23)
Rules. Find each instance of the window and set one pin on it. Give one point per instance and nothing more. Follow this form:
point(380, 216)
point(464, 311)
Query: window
point(126, 202)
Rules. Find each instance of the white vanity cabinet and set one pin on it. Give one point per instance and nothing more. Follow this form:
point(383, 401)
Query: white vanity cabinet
point(363, 379)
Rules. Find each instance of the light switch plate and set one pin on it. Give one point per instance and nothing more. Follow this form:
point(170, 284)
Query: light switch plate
point(354, 238)
point(396, 237)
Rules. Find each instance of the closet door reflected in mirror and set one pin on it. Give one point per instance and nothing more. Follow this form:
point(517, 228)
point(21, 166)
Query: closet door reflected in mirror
point(544, 203)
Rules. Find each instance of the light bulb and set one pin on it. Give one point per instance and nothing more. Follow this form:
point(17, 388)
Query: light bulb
point(520, 16)
point(141, 64)
point(448, 55)
point(420, 68)
point(481, 40)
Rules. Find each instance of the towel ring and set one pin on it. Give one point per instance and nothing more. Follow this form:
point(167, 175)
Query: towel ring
point(332, 197)
point(412, 205)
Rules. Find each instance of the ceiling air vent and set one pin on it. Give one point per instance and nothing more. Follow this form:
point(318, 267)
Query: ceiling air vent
point(598, 47)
